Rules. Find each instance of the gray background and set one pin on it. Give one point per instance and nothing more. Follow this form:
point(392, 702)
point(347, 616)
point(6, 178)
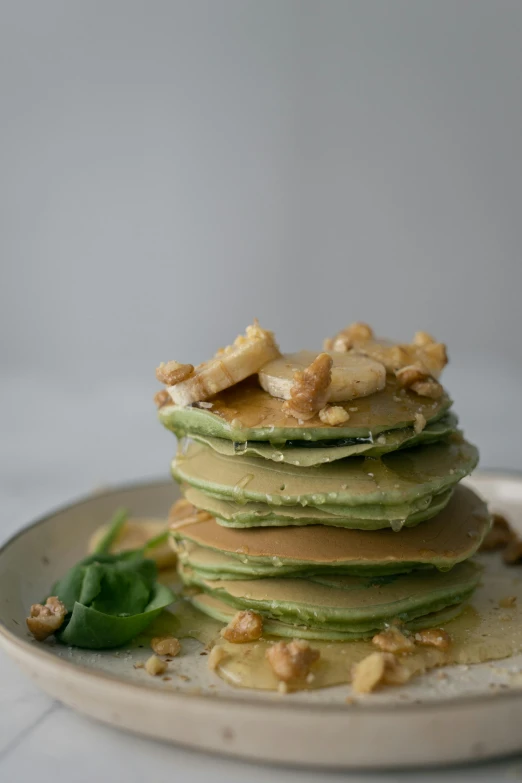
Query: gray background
point(171, 169)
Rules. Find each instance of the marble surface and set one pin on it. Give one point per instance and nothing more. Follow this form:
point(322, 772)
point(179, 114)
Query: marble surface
point(72, 438)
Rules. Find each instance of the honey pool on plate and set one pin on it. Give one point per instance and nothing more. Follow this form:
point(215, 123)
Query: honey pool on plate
point(486, 630)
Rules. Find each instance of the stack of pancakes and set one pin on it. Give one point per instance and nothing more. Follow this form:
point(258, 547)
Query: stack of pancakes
point(328, 531)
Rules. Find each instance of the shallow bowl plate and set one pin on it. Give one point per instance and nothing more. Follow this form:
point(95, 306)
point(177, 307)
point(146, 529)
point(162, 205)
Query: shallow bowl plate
point(474, 713)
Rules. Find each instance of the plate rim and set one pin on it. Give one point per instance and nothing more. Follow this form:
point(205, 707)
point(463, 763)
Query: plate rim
point(8, 639)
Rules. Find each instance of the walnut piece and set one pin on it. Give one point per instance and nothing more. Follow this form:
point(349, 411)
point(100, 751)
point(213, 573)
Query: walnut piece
point(309, 391)
point(46, 619)
point(424, 352)
point(422, 339)
point(392, 640)
point(508, 602)
point(414, 377)
point(500, 535)
point(410, 374)
point(419, 423)
point(171, 373)
point(166, 645)
point(162, 398)
point(245, 626)
point(429, 388)
point(357, 332)
point(155, 666)
point(378, 668)
point(433, 637)
point(291, 660)
point(333, 415)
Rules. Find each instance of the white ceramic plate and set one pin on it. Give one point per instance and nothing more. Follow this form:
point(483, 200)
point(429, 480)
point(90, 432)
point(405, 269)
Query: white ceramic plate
point(474, 713)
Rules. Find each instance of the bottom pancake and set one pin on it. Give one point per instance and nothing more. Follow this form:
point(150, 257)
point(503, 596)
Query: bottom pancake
point(218, 610)
point(349, 605)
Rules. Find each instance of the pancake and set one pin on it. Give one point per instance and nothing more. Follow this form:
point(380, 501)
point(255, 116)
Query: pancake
point(397, 478)
point(219, 610)
point(357, 605)
point(216, 552)
point(309, 453)
point(245, 412)
point(369, 517)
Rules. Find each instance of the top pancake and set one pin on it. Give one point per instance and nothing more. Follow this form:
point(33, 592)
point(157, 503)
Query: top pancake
point(246, 412)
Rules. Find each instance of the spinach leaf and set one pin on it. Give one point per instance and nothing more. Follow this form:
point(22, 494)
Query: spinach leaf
point(94, 630)
point(110, 598)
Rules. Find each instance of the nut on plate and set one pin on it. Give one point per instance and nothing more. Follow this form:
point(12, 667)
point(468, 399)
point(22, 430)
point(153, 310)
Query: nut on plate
point(500, 535)
point(378, 668)
point(291, 660)
point(46, 619)
point(433, 637)
point(394, 641)
point(245, 626)
point(166, 645)
point(155, 666)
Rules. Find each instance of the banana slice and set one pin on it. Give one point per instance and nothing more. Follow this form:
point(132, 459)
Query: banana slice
point(229, 366)
point(352, 375)
point(134, 535)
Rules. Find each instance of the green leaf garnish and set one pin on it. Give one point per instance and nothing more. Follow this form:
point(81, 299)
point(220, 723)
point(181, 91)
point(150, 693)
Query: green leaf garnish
point(111, 598)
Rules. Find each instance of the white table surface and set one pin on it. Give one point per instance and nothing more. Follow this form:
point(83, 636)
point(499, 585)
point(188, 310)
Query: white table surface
point(49, 454)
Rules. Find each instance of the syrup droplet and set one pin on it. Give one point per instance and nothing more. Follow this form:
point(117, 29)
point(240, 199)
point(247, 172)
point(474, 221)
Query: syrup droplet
point(238, 491)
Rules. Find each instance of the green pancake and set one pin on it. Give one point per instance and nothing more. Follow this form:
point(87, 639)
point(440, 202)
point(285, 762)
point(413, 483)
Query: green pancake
point(217, 552)
point(401, 477)
point(350, 604)
point(245, 412)
point(369, 517)
point(221, 611)
point(310, 453)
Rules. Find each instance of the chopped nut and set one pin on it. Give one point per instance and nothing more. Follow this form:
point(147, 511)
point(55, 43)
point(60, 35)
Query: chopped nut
point(433, 637)
point(429, 388)
point(291, 660)
point(393, 641)
point(172, 373)
point(412, 373)
point(378, 668)
point(500, 535)
point(309, 391)
point(162, 398)
point(508, 602)
point(44, 620)
point(349, 337)
point(333, 415)
point(165, 645)
point(245, 626)
point(422, 339)
point(420, 423)
point(139, 665)
point(428, 357)
point(512, 554)
point(217, 654)
point(155, 666)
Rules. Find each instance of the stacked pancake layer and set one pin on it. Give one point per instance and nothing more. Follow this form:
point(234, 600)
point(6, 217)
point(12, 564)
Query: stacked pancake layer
point(328, 532)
